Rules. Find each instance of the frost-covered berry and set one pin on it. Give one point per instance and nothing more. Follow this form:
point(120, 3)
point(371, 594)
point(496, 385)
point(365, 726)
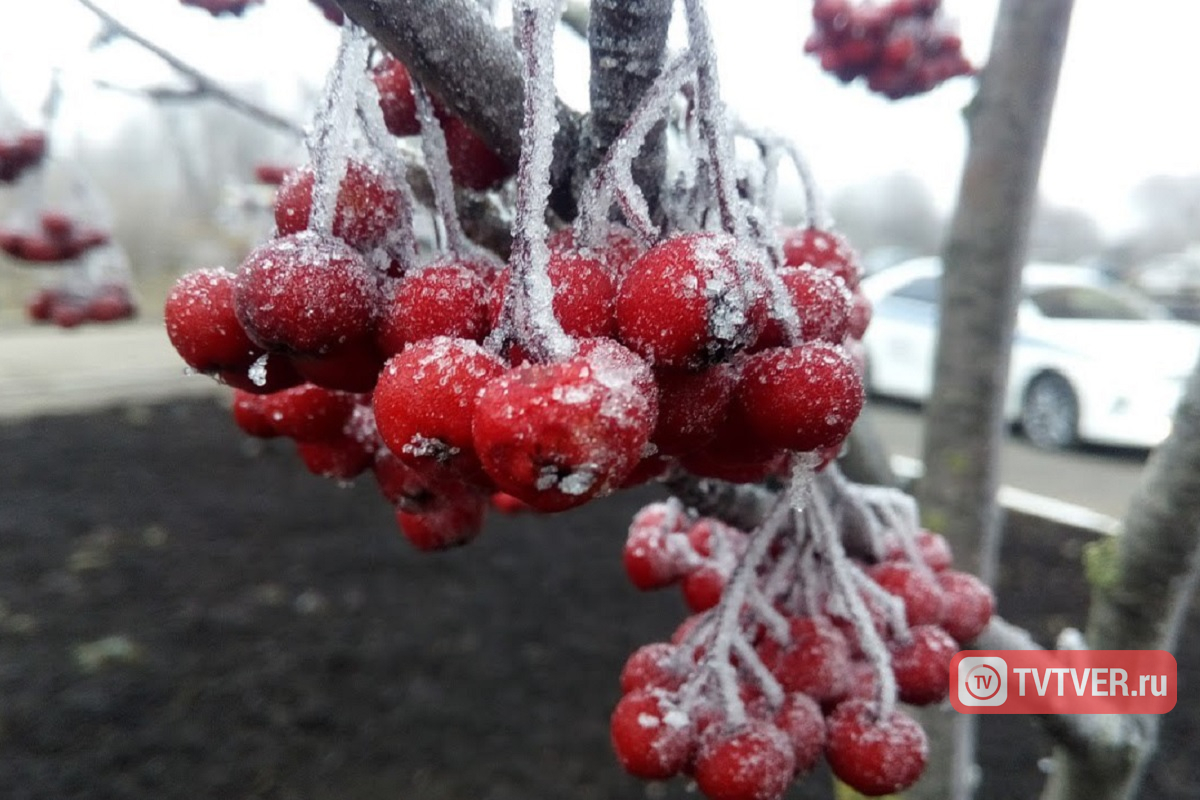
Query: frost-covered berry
point(800, 398)
point(801, 719)
point(445, 526)
point(472, 163)
point(922, 665)
point(202, 323)
point(822, 301)
point(308, 413)
point(691, 406)
point(820, 249)
point(814, 661)
point(871, 755)
point(426, 398)
point(969, 604)
point(584, 293)
point(684, 303)
point(342, 459)
point(395, 97)
point(651, 737)
point(442, 299)
point(306, 294)
point(651, 556)
point(350, 367)
point(368, 205)
point(753, 762)
point(702, 588)
point(557, 435)
point(652, 666)
point(250, 413)
point(924, 601)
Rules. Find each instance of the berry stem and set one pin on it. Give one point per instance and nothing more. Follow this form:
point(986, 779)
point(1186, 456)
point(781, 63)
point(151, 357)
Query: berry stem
point(433, 145)
point(329, 146)
point(614, 172)
point(402, 238)
point(829, 545)
point(528, 313)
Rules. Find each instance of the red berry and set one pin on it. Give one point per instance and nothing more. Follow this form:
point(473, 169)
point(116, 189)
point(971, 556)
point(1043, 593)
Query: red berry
point(445, 526)
point(426, 398)
point(755, 762)
point(933, 548)
point(442, 299)
point(651, 739)
point(924, 601)
point(875, 756)
point(824, 250)
point(472, 163)
point(271, 373)
point(801, 719)
point(395, 97)
point(691, 406)
point(922, 665)
point(583, 294)
point(800, 398)
point(368, 206)
point(651, 557)
point(308, 413)
point(822, 302)
point(557, 435)
point(652, 666)
point(305, 294)
point(686, 302)
point(342, 459)
point(969, 604)
point(251, 412)
point(815, 661)
point(349, 367)
point(702, 588)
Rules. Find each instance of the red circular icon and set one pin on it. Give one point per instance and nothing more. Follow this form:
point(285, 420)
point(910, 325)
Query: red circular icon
point(980, 671)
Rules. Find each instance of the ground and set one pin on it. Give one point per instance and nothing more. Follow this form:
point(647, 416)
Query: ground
point(186, 614)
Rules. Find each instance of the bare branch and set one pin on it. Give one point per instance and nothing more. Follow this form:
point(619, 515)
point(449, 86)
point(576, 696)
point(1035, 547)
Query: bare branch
point(204, 86)
point(453, 49)
point(627, 42)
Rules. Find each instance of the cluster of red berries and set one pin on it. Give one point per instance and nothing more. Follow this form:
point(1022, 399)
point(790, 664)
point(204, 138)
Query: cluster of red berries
point(20, 153)
point(220, 7)
point(472, 163)
point(68, 308)
point(669, 720)
point(902, 48)
point(58, 238)
point(667, 364)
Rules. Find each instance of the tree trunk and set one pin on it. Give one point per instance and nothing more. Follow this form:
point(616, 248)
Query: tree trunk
point(983, 256)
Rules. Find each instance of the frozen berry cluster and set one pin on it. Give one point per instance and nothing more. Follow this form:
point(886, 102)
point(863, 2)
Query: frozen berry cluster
point(22, 152)
point(219, 8)
point(58, 237)
point(902, 48)
point(69, 308)
point(803, 683)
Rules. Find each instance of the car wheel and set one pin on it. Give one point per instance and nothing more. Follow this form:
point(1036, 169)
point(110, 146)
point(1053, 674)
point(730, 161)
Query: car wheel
point(1050, 413)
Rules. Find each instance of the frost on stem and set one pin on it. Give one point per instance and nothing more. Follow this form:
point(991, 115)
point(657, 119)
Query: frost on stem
point(329, 143)
point(402, 240)
point(437, 162)
point(527, 316)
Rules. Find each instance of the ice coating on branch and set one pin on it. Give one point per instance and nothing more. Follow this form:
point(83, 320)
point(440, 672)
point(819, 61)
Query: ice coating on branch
point(529, 302)
point(401, 239)
point(329, 145)
point(437, 162)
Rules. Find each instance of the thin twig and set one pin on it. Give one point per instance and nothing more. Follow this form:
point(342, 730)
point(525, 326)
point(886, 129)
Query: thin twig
point(204, 85)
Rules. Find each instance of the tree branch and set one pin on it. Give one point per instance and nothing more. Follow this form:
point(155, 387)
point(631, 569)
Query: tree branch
point(627, 41)
point(204, 85)
point(453, 49)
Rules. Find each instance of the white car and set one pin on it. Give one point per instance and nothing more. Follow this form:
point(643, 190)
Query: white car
point(1091, 361)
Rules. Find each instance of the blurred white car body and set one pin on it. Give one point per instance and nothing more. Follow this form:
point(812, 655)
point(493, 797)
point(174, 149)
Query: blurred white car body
point(1091, 361)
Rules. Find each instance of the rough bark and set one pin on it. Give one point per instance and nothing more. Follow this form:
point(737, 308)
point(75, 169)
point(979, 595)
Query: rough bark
point(454, 50)
point(983, 255)
point(627, 40)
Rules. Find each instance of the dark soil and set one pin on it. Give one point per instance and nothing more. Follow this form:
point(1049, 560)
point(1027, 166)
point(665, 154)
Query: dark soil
point(189, 615)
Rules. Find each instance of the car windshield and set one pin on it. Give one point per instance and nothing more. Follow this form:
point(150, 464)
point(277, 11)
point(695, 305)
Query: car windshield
point(1094, 302)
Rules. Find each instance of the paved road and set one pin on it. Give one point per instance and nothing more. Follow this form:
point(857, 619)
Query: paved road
point(47, 370)
point(1102, 479)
